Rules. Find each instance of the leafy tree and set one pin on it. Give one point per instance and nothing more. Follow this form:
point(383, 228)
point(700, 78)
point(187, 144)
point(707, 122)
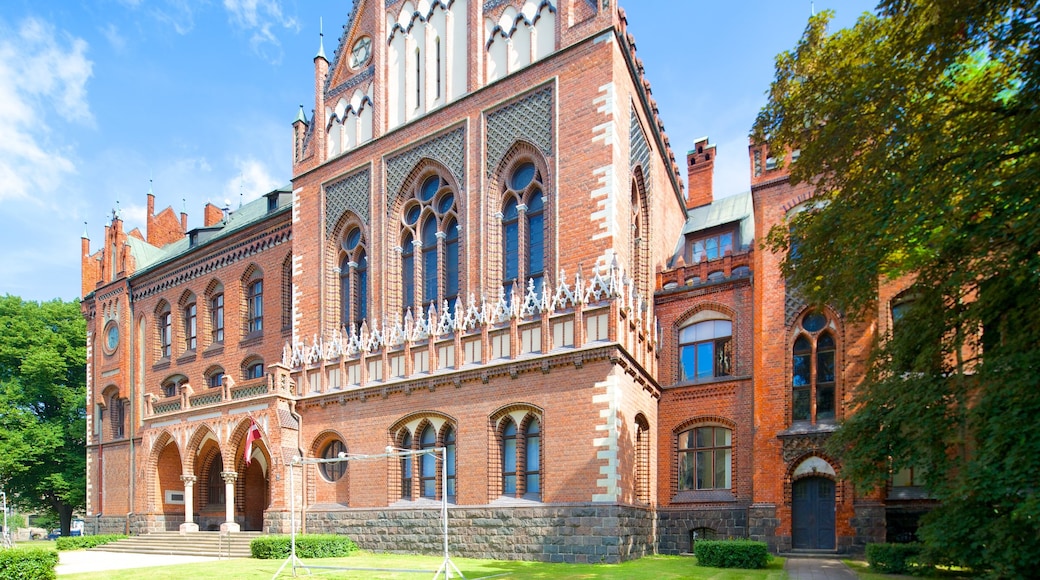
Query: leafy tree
point(919, 129)
point(42, 406)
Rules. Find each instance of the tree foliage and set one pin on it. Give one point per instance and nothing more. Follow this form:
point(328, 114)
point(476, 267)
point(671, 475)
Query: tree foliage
point(919, 129)
point(42, 406)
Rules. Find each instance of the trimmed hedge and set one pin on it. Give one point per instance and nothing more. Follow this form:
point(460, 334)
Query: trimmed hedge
point(307, 546)
point(892, 558)
point(731, 553)
point(28, 564)
point(80, 542)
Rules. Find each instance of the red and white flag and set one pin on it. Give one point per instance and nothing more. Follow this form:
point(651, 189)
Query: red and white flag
point(252, 435)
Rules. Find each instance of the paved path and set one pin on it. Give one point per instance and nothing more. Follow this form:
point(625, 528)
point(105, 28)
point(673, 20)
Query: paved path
point(817, 569)
point(76, 561)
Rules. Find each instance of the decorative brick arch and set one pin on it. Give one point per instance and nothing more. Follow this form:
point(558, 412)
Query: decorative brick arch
point(682, 319)
point(334, 257)
point(640, 259)
point(152, 482)
point(522, 414)
point(840, 485)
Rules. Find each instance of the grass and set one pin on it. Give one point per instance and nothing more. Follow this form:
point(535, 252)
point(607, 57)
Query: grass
point(649, 568)
point(862, 569)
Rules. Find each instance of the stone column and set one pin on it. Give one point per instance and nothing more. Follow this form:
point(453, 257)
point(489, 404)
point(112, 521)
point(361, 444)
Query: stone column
point(189, 524)
point(229, 524)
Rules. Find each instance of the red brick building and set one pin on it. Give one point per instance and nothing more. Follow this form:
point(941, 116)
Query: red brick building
point(486, 247)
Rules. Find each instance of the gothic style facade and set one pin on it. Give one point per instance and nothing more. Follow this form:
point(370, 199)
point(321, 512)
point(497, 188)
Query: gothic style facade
point(487, 247)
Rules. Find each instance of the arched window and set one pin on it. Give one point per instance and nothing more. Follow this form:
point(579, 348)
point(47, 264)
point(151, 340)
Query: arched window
point(428, 463)
point(449, 461)
point(165, 327)
point(406, 468)
point(521, 454)
point(642, 466)
point(333, 471)
point(190, 324)
point(509, 457)
point(705, 458)
point(353, 278)
point(287, 293)
point(254, 369)
point(255, 304)
point(533, 457)
point(523, 229)
point(216, 315)
point(813, 371)
point(215, 377)
point(429, 217)
point(705, 350)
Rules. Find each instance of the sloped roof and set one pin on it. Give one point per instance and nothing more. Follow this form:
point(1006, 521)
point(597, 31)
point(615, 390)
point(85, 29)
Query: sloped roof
point(734, 208)
point(147, 256)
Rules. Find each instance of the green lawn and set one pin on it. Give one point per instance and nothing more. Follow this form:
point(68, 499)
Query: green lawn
point(650, 568)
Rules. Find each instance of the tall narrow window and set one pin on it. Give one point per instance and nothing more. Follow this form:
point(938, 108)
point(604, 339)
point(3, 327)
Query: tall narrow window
point(705, 350)
point(509, 457)
point(523, 229)
point(353, 278)
point(428, 463)
point(286, 291)
point(533, 457)
point(449, 460)
point(642, 476)
point(406, 468)
point(418, 80)
point(190, 327)
point(215, 483)
point(437, 46)
point(813, 371)
point(407, 272)
point(430, 215)
point(255, 306)
point(216, 317)
point(165, 333)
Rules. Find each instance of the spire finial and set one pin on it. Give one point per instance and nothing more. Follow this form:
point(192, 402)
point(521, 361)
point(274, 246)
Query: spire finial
point(300, 116)
point(240, 178)
point(321, 39)
point(150, 185)
point(184, 205)
point(85, 235)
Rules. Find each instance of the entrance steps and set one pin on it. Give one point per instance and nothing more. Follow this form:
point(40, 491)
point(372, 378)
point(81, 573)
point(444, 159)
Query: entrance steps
point(812, 554)
point(213, 544)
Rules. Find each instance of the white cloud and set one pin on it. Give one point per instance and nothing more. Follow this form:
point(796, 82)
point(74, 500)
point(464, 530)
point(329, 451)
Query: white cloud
point(111, 34)
point(254, 179)
point(261, 18)
point(178, 14)
point(43, 83)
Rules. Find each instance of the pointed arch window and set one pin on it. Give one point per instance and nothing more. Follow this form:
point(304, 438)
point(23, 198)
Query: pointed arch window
point(521, 455)
point(449, 461)
point(523, 229)
point(428, 463)
point(216, 315)
point(165, 328)
point(190, 326)
point(255, 304)
point(353, 278)
point(813, 371)
point(406, 468)
point(430, 228)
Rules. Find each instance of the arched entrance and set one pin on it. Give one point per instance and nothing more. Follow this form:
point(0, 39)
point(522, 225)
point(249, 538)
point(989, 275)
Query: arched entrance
point(255, 496)
point(812, 514)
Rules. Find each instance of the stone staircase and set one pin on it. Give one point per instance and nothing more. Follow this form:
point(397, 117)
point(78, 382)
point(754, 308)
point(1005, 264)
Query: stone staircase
point(212, 544)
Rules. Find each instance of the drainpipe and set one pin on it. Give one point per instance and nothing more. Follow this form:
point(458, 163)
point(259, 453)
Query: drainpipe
point(133, 404)
point(303, 472)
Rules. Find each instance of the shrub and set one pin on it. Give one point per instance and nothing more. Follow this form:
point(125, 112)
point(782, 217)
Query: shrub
point(28, 564)
point(80, 542)
point(731, 553)
point(307, 546)
point(892, 558)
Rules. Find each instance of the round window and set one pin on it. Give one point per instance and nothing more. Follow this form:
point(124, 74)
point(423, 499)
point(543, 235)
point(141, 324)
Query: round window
point(111, 337)
point(814, 322)
point(333, 471)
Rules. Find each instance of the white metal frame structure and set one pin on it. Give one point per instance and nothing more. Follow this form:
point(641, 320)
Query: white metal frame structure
point(446, 568)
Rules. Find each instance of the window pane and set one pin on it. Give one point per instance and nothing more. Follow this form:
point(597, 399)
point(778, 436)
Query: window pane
point(705, 435)
point(725, 243)
point(534, 482)
point(824, 401)
point(722, 437)
point(722, 468)
point(509, 456)
point(711, 248)
point(800, 404)
point(814, 321)
point(686, 462)
point(825, 366)
point(509, 484)
point(704, 470)
point(705, 359)
point(533, 455)
point(362, 288)
point(688, 358)
point(511, 250)
point(522, 176)
point(800, 374)
point(535, 249)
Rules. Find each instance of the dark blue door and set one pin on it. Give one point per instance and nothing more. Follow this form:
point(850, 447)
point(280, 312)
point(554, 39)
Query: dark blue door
point(813, 514)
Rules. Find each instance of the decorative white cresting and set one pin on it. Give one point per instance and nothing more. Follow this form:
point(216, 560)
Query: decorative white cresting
point(518, 38)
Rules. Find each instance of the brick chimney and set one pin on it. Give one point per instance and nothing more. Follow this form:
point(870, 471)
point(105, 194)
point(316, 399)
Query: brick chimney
point(700, 170)
point(211, 215)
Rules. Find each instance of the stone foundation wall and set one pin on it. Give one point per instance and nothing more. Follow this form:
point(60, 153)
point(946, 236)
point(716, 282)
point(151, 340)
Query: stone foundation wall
point(762, 525)
point(575, 534)
point(869, 523)
point(676, 525)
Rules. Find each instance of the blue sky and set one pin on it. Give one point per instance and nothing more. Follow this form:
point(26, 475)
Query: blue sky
point(97, 97)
